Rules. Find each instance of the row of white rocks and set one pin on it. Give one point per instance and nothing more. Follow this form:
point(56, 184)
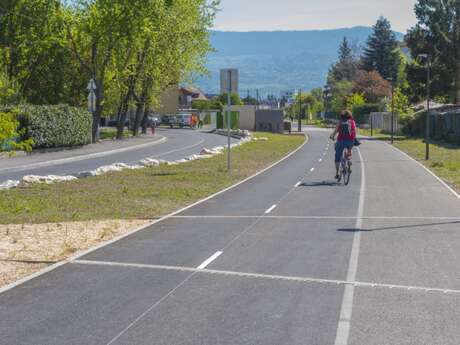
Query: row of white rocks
point(146, 162)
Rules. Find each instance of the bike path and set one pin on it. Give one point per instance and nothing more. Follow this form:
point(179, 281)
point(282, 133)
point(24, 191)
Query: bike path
point(281, 273)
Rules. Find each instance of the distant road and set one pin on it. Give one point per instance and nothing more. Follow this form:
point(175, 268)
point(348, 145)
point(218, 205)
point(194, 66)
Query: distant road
point(168, 144)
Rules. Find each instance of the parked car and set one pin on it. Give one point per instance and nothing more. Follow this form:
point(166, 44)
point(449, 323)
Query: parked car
point(184, 120)
point(172, 121)
point(114, 123)
point(153, 120)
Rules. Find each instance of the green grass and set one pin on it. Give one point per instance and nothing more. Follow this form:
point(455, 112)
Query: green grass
point(110, 133)
point(145, 193)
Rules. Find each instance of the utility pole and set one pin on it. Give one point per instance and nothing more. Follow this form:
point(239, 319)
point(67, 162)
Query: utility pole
point(229, 104)
point(257, 99)
point(392, 109)
point(428, 95)
point(300, 111)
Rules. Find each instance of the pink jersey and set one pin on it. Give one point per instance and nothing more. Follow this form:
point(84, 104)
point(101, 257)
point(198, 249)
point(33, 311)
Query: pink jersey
point(347, 130)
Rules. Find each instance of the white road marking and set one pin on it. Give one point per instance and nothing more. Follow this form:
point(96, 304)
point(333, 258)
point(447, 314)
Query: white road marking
point(266, 276)
point(312, 169)
point(343, 328)
point(315, 217)
point(270, 209)
point(208, 261)
point(298, 184)
point(320, 160)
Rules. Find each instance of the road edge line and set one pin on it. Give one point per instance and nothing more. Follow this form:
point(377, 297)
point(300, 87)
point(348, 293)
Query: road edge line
point(427, 169)
point(118, 238)
point(346, 309)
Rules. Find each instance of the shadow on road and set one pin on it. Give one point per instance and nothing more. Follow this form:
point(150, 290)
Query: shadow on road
point(320, 184)
point(397, 227)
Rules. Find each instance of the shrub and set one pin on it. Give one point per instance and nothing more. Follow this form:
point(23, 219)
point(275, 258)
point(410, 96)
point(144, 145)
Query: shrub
point(361, 112)
point(56, 125)
point(9, 133)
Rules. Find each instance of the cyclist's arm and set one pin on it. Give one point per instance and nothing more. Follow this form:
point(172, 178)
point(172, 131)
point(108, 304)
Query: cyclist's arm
point(336, 130)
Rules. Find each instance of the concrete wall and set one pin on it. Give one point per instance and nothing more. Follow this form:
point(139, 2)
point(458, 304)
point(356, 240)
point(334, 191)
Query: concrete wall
point(247, 116)
point(270, 121)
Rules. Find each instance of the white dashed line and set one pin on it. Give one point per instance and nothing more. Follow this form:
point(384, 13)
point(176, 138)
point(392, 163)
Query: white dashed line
point(270, 209)
point(208, 261)
point(298, 184)
point(320, 160)
point(312, 169)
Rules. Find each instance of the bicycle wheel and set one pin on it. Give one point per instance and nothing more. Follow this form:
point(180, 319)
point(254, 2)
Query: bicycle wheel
point(347, 174)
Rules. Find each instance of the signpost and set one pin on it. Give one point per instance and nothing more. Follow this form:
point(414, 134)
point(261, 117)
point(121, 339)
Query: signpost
point(229, 119)
point(92, 102)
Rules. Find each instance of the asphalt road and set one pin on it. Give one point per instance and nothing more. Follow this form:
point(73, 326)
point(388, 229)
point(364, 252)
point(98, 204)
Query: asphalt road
point(286, 258)
point(168, 144)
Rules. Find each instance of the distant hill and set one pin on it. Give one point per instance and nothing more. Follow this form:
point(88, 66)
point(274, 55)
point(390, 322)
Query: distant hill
point(274, 61)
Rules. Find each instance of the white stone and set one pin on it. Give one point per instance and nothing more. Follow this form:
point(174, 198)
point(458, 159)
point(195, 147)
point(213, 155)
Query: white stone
point(9, 184)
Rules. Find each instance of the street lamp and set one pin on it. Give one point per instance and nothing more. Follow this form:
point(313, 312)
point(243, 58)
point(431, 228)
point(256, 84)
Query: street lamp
point(300, 111)
point(428, 81)
point(392, 110)
point(229, 119)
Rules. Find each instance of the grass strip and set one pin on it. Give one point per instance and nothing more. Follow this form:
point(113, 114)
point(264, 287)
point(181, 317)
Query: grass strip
point(139, 194)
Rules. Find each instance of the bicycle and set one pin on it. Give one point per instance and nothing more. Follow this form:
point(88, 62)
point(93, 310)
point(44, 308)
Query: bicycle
point(345, 168)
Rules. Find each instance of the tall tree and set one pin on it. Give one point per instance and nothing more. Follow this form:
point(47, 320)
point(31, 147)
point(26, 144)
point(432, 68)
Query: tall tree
point(347, 65)
point(382, 51)
point(438, 34)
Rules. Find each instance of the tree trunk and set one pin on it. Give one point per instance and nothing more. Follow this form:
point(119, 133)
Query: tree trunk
point(141, 111)
point(457, 84)
point(122, 116)
point(145, 118)
point(97, 114)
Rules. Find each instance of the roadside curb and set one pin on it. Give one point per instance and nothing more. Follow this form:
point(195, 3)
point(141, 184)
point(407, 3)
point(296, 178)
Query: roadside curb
point(118, 238)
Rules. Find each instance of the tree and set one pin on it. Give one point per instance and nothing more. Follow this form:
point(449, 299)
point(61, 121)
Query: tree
point(372, 86)
point(346, 66)
point(33, 50)
point(234, 99)
point(354, 100)
point(382, 51)
point(340, 93)
point(438, 33)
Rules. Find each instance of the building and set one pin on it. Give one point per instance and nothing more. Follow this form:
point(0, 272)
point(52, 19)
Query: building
point(233, 74)
point(175, 99)
point(270, 121)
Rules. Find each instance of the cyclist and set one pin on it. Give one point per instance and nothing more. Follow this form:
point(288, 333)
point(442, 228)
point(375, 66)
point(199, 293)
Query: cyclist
point(346, 130)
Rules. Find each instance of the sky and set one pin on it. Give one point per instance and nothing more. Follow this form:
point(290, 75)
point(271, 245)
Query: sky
point(250, 15)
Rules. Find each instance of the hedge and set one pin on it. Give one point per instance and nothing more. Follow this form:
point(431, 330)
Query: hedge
point(55, 125)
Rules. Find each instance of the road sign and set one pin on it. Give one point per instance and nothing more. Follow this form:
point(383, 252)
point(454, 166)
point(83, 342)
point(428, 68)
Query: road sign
point(91, 85)
point(92, 101)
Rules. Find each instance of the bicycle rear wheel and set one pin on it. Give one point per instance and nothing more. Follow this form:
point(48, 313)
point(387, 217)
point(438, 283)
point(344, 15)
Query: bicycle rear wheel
point(346, 174)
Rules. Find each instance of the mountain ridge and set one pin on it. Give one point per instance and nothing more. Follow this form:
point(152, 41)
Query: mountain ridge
point(278, 60)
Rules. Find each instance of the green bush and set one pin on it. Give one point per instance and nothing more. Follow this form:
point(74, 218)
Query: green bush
point(9, 133)
point(56, 125)
point(361, 112)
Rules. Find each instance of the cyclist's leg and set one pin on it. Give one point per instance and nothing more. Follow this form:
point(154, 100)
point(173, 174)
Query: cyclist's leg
point(339, 147)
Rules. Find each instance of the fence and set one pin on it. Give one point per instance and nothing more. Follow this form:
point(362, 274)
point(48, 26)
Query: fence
point(382, 121)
